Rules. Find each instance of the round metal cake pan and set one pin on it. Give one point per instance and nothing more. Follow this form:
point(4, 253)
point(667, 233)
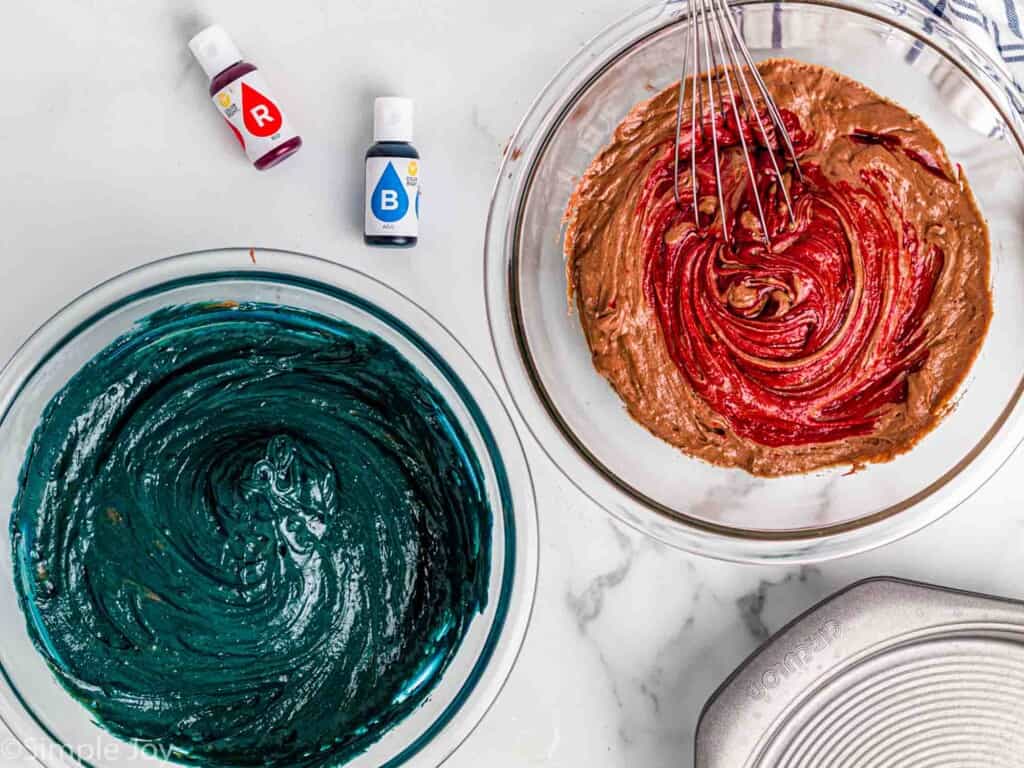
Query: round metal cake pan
point(885, 674)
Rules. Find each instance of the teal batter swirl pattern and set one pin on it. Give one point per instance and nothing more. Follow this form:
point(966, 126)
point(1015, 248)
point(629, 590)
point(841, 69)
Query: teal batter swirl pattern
point(250, 534)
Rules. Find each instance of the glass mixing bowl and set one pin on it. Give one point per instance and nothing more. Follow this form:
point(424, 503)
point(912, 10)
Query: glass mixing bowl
point(918, 61)
point(58, 730)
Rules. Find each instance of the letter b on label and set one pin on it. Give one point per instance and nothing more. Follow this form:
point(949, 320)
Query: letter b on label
point(390, 201)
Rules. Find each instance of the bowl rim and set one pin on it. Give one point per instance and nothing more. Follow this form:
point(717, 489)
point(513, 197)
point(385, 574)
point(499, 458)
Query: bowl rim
point(503, 643)
point(541, 416)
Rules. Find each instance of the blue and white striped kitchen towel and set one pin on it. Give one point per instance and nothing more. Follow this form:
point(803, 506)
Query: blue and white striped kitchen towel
point(994, 25)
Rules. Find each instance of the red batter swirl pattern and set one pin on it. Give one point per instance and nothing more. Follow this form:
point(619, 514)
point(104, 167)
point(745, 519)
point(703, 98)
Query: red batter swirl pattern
point(809, 341)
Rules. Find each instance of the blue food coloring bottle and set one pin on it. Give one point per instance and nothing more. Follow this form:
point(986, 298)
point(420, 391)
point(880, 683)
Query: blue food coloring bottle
point(392, 177)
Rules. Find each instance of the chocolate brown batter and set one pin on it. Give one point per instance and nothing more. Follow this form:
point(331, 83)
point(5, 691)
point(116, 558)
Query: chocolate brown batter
point(843, 342)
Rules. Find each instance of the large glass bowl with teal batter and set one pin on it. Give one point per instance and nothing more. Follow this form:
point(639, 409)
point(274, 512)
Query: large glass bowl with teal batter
point(261, 510)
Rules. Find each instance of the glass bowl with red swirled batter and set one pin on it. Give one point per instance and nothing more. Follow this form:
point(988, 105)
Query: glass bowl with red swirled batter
point(835, 391)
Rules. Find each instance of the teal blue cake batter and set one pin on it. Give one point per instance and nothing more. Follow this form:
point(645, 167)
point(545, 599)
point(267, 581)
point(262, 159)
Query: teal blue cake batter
point(250, 534)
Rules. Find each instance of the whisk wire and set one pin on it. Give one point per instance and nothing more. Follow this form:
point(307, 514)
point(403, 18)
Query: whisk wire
point(696, 110)
point(773, 110)
point(751, 107)
point(714, 97)
point(718, 61)
point(719, 39)
point(679, 127)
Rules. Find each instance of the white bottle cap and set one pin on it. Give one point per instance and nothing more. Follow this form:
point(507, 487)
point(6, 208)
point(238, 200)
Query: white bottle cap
point(214, 50)
point(392, 119)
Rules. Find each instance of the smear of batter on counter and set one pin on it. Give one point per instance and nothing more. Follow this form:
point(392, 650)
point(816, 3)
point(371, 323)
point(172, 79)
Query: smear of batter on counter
point(251, 535)
point(843, 342)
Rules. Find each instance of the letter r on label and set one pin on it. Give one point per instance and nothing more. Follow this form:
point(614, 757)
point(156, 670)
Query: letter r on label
point(261, 114)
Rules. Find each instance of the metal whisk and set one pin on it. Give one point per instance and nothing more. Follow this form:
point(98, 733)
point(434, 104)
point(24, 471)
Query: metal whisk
point(711, 22)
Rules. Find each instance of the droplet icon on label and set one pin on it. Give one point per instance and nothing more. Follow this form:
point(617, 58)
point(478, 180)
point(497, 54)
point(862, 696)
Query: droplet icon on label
point(261, 116)
point(389, 201)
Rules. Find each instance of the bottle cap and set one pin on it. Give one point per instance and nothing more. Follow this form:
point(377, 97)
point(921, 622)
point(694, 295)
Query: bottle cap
point(392, 119)
point(214, 50)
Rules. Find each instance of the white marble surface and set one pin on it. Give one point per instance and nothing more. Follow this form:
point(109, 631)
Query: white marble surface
point(112, 157)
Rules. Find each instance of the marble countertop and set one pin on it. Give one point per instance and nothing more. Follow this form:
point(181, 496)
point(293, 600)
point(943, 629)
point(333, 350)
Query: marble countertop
point(113, 157)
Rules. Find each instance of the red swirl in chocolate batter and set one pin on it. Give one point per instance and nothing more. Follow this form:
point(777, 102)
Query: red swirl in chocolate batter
point(804, 342)
point(843, 340)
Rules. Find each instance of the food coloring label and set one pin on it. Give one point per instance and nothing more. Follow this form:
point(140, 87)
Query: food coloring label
point(392, 196)
point(255, 118)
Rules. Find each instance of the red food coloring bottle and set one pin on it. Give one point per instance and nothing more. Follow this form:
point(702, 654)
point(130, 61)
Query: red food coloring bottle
point(241, 95)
